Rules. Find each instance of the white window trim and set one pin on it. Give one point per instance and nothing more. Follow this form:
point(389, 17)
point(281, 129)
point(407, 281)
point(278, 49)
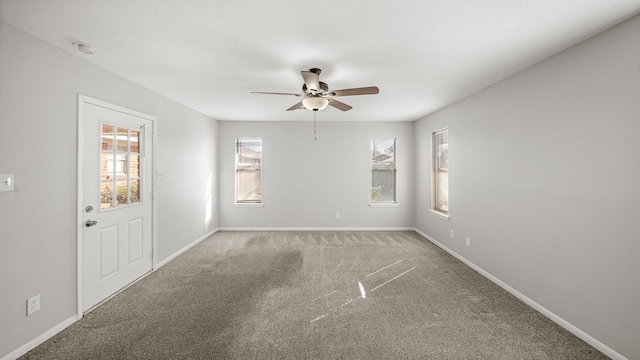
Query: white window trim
point(247, 204)
point(385, 205)
point(439, 214)
point(432, 209)
point(388, 204)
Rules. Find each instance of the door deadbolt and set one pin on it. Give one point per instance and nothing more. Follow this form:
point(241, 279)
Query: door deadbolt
point(88, 209)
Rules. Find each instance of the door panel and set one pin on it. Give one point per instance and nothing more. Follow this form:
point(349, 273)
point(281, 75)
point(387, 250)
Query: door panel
point(136, 241)
point(117, 184)
point(108, 251)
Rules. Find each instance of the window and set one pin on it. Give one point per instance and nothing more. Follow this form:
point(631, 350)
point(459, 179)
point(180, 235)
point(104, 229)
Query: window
point(440, 176)
point(383, 171)
point(120, 167)
point(248, 171)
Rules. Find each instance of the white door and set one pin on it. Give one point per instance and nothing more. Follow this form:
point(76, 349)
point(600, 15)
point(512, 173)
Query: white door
point(116, 208)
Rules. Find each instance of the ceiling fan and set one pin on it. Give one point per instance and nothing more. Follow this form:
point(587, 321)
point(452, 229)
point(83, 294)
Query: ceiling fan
point(317, 96)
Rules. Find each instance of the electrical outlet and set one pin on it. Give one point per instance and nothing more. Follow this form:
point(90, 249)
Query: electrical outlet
point(33, 304)
point(452, 235)
point(337, 215)
point(468, 242)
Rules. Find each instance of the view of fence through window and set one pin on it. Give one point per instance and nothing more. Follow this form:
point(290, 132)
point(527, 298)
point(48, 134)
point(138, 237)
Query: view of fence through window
point(120, 166)
point(441, 171)
point(383, 170)
point(248, 170)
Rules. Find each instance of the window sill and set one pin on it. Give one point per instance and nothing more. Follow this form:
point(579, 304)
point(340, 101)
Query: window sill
point(248, 205)
point(439, 215)
point(385, 205)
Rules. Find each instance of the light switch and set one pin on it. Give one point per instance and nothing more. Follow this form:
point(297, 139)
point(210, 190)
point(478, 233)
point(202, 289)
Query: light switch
point(6, 182)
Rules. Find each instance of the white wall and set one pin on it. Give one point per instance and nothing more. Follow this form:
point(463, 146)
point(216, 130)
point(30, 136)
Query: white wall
point(38, 127)
point(188, 158)
point(545, 180)
point(305, 182)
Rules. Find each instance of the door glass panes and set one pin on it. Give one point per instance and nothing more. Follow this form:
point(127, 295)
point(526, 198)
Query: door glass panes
point(106, 166)
point(107, 137)
point(134, 166)
point(383, 170)
point(119, 163)
point(106, 194)
point(134, 195)
point(107, 163)
point(121, 138)
point(134, 146)
point(121, 192)
point(120, 168)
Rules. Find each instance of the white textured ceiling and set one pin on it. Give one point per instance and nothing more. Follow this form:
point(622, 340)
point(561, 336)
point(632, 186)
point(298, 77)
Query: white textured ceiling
point(210, 54)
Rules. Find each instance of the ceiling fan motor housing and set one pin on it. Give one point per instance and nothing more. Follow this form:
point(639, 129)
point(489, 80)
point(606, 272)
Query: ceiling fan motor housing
point(324, 88)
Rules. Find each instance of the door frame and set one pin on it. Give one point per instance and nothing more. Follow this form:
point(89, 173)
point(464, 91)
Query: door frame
point(83, 101)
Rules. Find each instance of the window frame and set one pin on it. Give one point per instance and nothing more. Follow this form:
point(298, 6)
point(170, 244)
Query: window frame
point(436, 169)
point(247, 203)
point(116, 156)
point(385, 203)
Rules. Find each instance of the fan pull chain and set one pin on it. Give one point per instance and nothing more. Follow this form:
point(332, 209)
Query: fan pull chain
point(314, 125)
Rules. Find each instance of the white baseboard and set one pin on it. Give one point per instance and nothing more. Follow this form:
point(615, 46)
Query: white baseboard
point(553, 317)
point(176, 254)
point(40, 339)
point(317, 229)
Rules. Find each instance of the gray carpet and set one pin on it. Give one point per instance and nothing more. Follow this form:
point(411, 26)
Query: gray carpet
point(297, 295)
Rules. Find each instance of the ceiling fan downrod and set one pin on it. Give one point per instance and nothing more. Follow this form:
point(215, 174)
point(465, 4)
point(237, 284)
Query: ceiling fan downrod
point(315, 138)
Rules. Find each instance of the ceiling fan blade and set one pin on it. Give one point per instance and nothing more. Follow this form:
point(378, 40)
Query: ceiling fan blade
point(296, 106)
point(312, 80)
point(339, 105)
point(370, 90)
point(274, 93)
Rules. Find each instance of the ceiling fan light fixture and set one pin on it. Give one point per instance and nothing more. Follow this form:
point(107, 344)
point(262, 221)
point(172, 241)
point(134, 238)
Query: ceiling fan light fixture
point(315, 103)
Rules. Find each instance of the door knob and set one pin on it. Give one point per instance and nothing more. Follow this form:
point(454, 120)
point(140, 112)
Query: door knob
point(90, 223)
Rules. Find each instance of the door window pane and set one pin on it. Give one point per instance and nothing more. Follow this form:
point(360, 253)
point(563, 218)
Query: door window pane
point(107, 137)
point(106, 194)
point(120, 166)
point(134, 146)
point(106, 166)
point(122, 192)
point(135, 191)
point(122, 139)
point(134, 166)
